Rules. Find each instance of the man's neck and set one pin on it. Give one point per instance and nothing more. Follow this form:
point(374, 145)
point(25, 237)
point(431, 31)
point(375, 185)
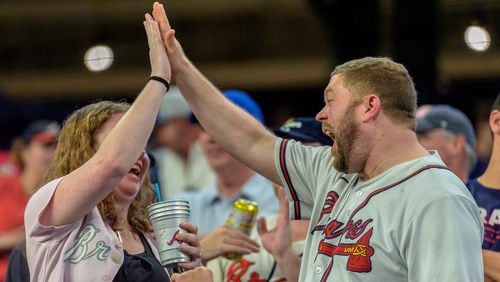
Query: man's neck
point(491, 177)
point(388, 152)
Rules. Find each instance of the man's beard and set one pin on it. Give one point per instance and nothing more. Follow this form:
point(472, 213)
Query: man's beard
point(346, 137)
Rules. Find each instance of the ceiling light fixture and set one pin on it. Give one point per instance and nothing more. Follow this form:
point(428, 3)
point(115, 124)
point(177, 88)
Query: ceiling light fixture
point(98, 58)
point(477, 38)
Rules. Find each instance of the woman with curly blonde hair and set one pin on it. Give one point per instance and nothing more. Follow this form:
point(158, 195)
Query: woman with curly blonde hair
point(89, 223)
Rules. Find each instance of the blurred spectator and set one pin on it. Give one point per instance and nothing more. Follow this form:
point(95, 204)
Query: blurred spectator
point(269, 264)
point(210, 207)
point(450, 132)
point(7, 167)
point(486, 191)
point(32, 153)
point(182, 165)
point(482, 110)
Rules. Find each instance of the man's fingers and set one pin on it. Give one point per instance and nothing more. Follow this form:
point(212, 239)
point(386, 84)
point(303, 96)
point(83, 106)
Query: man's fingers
point(237, 249)
point(248, 244)
point(284, 212)
point(161, 17)
point(262, 226)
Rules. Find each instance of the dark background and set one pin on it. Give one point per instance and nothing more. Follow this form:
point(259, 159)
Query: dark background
point(281, 52)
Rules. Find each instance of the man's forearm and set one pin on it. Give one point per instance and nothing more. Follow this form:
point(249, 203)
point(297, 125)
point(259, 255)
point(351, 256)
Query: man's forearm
point(233, 128)
point(491, 260)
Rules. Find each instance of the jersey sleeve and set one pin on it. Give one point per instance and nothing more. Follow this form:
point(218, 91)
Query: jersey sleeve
point(300, 167)
point(38, 203)
point(443, 241)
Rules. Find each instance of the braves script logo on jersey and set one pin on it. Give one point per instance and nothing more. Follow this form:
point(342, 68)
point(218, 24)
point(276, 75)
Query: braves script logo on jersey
point(359, 252)
point(81, 250)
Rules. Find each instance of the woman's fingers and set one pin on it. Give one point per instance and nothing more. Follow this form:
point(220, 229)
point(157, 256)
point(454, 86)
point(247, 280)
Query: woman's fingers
point(194, 253)
point(191, 264)
point(191, 239)
point(147, 27)
point(189, 227)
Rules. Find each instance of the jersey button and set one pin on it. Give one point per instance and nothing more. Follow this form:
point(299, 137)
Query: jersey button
point(318, 270)
point(359, 193)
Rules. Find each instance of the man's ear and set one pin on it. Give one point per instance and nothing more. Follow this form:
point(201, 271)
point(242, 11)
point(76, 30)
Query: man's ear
point(458, 144)
point(372, 106)
point(495, 122)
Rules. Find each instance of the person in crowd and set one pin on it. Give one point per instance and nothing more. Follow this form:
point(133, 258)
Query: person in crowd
point(450, 132)
point(284, 241)
point(89, 222)
point(210, 207)
point(182, 166)
point(371, 194)
point(481, 110)
point(486, 190)
point(31, 153)
point(196, 275)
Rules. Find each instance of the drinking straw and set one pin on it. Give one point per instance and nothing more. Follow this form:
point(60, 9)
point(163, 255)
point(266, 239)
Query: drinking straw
point(153, 176)
point(158, 192)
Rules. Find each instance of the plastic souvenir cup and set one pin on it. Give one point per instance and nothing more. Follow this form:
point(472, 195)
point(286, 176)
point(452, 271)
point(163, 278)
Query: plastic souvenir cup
point(165, 217)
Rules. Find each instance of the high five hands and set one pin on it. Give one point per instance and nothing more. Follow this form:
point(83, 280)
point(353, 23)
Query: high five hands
point(174, 49)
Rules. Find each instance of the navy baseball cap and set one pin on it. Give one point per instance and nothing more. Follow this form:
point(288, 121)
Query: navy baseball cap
point(305, 129)
point(244, 101)
point(41, 131)
point(446, 117)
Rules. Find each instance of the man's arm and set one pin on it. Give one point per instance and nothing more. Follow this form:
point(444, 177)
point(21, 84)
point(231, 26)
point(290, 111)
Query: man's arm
point(491, 260)
point(234, 129)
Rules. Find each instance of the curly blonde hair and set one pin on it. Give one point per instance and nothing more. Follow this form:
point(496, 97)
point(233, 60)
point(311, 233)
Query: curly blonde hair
point(76, 145)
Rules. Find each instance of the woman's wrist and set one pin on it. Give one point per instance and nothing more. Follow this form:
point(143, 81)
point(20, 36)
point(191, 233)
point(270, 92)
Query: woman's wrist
point(160, 80)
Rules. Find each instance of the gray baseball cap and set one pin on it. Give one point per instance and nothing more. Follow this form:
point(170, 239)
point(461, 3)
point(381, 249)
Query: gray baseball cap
point(445, 117)
point(173, 105)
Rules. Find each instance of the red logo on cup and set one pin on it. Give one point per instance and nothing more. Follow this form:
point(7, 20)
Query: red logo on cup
point(174, 239)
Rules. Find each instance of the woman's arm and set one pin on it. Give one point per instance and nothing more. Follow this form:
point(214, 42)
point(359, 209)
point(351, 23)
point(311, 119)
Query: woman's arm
point(85, 187)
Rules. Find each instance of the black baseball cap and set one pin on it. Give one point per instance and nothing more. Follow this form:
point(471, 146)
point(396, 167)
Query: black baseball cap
point(306, 129)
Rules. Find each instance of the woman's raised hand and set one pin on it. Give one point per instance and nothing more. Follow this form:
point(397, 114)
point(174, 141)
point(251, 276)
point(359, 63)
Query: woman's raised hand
point(160, 65)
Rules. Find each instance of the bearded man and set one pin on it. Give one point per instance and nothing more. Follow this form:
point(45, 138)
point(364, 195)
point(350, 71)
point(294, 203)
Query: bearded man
point(387, 210)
